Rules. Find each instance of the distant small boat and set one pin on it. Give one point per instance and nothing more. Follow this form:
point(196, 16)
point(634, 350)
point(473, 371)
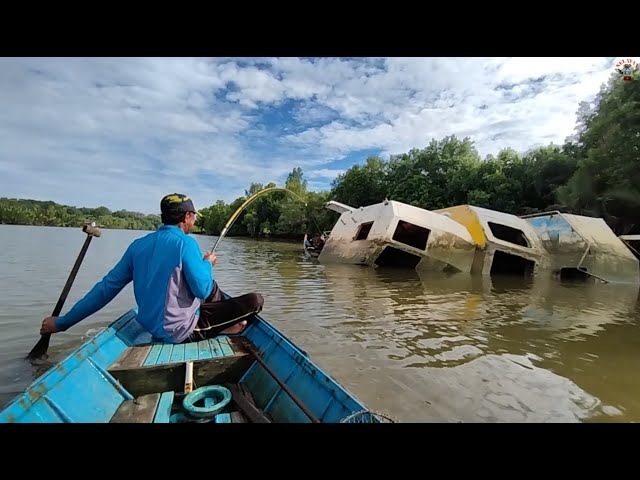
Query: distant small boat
point(121, 376)
point(309, 251)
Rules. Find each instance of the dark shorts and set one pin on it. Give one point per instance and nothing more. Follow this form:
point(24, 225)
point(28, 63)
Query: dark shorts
point(217, 314)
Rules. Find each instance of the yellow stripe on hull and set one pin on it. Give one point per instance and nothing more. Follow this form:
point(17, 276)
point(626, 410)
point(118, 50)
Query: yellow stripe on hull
point(464, 215)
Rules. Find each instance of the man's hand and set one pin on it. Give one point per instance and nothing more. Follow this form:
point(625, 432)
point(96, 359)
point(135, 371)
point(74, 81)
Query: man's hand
point(48, 326)
point(210, 257)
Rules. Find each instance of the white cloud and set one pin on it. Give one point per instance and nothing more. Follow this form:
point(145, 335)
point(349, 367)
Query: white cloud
point(123, 132)
point(326, 173)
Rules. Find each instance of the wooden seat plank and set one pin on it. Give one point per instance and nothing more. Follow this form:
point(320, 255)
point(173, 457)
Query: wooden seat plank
point(163, 412)
point(139, 410)
point(132, 357)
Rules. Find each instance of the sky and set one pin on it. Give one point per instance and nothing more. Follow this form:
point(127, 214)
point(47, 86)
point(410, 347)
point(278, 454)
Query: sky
point(123, 132)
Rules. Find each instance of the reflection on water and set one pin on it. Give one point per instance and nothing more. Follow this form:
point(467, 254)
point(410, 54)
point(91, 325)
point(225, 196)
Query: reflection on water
point(420, 348)
point(480, 350)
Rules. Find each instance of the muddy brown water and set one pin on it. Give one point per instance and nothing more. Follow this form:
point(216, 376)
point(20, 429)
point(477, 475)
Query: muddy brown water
point(425, 348)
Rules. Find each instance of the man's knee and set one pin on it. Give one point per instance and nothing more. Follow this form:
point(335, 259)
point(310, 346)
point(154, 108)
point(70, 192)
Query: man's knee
point(255, 300)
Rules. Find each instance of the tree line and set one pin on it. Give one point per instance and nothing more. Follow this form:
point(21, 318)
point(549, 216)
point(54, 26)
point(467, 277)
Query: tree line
point(596, 172)
point(46, 213)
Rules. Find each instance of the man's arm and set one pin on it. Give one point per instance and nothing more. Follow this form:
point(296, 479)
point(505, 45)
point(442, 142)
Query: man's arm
point(198, 271)
point(101, 294)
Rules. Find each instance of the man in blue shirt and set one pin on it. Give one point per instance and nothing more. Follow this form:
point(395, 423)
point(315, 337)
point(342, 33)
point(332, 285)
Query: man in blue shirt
point(178, 300)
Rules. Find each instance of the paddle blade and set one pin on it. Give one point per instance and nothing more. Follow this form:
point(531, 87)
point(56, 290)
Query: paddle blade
point(40, 348)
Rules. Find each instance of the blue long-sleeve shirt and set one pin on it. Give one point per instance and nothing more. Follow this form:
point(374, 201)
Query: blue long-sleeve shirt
point(170, 278)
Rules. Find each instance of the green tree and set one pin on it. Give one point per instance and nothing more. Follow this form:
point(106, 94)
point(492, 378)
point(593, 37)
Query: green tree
point(607, 180)
point(361, 184)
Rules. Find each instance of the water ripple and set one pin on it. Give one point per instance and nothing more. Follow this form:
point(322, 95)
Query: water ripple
point(421, 348)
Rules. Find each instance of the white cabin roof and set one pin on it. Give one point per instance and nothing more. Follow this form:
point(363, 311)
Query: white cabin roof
point(338, 207)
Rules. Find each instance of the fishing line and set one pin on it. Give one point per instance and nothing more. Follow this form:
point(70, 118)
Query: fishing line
point(248, 202)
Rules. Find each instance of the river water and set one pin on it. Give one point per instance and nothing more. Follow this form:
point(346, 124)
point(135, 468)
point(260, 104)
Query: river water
point(417, 348)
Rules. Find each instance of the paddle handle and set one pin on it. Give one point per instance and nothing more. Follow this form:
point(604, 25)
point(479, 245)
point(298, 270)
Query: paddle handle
point(72, 276)
point(43, 344)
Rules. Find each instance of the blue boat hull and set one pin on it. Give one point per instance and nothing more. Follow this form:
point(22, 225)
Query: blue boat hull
point(120, 375)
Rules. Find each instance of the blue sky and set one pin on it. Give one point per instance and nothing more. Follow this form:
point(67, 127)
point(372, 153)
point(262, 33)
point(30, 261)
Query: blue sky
point(122, 132)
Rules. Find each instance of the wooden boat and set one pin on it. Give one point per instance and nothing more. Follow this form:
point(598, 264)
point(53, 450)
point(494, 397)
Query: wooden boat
point(309, 252)
point(120, 375)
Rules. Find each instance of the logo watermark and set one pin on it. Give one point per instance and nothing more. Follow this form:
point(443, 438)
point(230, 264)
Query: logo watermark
point(626, 67)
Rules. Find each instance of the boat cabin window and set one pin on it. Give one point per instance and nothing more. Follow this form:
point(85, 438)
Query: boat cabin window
point(363, 231)
point(392, 257)
point(411, 235)
point(509, 234)
point(507, 264)
point(573, 274)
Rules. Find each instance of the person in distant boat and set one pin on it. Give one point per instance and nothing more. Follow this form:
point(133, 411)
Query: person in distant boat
point(318, 242)
point(177, 297)
point(307, 242)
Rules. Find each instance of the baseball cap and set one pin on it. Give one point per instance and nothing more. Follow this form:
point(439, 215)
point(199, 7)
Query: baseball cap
point(176, 203)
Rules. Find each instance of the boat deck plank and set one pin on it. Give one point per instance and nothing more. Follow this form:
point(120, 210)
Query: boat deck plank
point(132, 356)
point(163, 412)
point(158, 354)
point(152, 368)
point(191, 352)
point(238, 417)
point(138, 410)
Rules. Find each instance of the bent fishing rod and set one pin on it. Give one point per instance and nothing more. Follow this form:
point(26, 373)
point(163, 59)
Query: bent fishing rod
point(247, 202)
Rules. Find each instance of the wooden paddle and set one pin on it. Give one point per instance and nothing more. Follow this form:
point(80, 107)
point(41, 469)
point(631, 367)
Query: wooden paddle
point(40, 349)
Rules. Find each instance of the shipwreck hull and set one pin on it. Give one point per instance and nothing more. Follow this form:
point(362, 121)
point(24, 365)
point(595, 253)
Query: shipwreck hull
point(394, 234)
point(584, 248)
point(505, 243)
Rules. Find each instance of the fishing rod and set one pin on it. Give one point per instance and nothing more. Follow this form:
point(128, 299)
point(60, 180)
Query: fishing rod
point(188, 385)
point(247, 202)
